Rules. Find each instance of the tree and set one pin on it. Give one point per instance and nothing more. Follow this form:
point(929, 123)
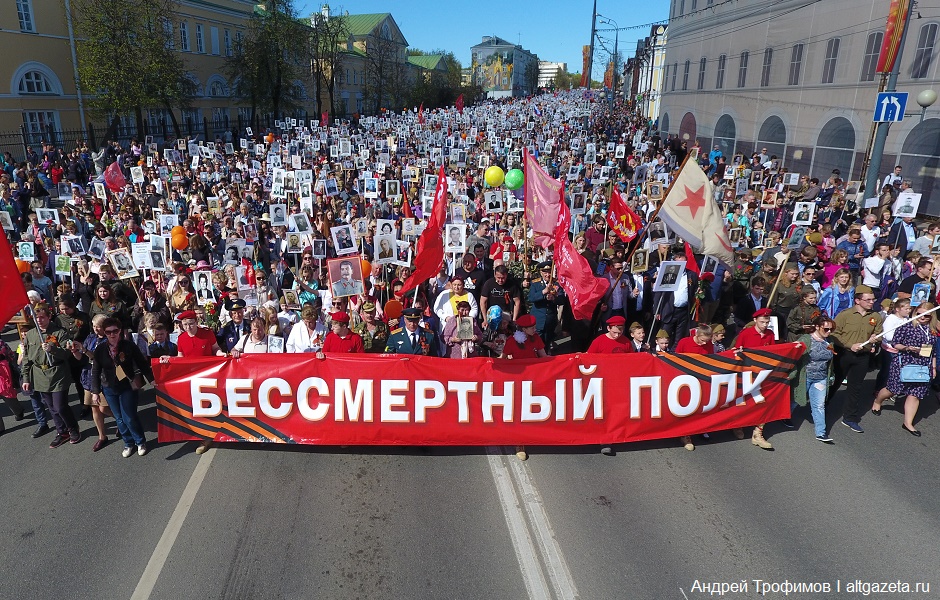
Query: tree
point(327, 44)
point(387, 73)
point(271, 57)
point(127, 60)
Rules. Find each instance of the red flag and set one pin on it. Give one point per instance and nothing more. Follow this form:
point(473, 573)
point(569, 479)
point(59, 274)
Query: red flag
point(406, 208)
point(429, 251)
point(459, 104)
point(541, 200)
point(621, 219)
point(324, 118)
point(690, 264)
point(574, 273)
point(114, 178)
point(14, 297)
point(421, 114)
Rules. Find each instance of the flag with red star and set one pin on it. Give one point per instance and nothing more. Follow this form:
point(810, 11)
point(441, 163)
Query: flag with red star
point(690, 210)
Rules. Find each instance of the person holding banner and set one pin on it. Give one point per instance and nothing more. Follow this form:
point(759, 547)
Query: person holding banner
point(341, 339)
point(757, 336)
point(524, 343)
point(914, 342)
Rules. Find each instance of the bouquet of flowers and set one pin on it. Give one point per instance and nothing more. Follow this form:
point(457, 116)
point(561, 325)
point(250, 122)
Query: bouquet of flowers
point(211, 311)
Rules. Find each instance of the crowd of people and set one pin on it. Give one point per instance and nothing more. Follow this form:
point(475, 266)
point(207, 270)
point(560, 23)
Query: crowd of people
point(301, 240)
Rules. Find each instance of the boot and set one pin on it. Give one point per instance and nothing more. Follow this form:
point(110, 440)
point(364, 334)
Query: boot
point(757, 438)
point(521, 453)
point(686, 442)
point(15, 407)
point(739, 434)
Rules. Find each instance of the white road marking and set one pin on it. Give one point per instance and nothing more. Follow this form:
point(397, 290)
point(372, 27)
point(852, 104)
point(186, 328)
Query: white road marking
point(526, 555)
point(552, 555)
point(149, 578)
point(525, 512)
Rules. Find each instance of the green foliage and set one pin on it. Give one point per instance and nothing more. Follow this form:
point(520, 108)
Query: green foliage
point(271, 57)
point(126, 59)
point(327, 44)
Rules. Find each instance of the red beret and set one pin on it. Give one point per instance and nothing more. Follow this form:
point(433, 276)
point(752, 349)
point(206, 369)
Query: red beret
point(615, 321)
point(186, 314)
point(340, 317)
point(526, 321)
point(764, 312)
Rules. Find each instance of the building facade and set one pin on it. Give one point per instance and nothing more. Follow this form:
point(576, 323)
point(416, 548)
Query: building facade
point(549, 70)
point(503, 69)
point(799, 79)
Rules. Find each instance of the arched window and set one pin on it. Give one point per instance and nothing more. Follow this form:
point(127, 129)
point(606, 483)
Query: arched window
point(835, 149)
point(34, 82)
point(920, 158)
point(216, 88)
point(773, 136)
point(725, 135)
point(664, 123)
point(925, 45)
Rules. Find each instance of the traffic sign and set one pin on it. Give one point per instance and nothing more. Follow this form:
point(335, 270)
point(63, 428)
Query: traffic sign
point(890, 107)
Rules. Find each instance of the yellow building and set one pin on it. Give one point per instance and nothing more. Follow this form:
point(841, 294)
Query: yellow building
point(38, 75)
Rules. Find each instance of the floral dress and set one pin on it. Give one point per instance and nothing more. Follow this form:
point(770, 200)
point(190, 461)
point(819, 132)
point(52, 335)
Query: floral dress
point(911, 334)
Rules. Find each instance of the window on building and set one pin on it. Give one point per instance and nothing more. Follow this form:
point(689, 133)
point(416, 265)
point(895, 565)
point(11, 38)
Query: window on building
point(38, 123)
point(675, 73)
point(184, 36)
point(227, 38)
point(685, 75)
point(665, 77)
point(214, 39)
point(835, 147)
point(34, 82)
point(742, 69)
point(694, 4)
point(796, 64)
point(720, 79)
point(24, 10)
point(220, 118)
point(191, 118)
point(168, 32)
point(216, 89)
point(200, 39)
point(765, 70)
point(681, 7)
point(725, 135)
point(832, 56)
point(238, 37)
point(872, 50)
point(701, 73)
point(925, 44)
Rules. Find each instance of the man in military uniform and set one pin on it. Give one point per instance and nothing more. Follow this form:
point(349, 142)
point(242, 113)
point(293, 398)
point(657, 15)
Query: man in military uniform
point(412, 339)
point(374, 332)
point(46, 349)
point(233, 331)
point(546, 296)
point(852, 329)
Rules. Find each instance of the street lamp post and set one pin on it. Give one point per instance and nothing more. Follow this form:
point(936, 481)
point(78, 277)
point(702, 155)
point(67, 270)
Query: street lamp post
point(613, 59)
point(926, 99)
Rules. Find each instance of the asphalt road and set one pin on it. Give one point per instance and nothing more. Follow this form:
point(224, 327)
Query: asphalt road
point(269, 522)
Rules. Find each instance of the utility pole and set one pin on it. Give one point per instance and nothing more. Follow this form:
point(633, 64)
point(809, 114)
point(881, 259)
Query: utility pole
point(590, 65)
point(881, 134)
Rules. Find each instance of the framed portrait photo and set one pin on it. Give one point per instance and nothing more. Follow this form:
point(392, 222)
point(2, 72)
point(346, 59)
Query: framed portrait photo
point(669, 276)
point(344, 240)
point(345, 277)
point(120, 259)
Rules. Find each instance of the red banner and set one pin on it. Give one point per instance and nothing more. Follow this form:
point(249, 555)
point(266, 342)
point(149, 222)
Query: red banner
point(586, 66)
point(421, 401)
point(621, 219)
point(574, 272)
point(897, 21)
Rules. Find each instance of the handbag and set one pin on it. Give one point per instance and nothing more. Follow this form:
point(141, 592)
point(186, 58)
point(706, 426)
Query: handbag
point(915, 374)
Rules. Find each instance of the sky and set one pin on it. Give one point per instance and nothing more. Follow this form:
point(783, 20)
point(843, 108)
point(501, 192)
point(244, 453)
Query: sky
point(552, 29)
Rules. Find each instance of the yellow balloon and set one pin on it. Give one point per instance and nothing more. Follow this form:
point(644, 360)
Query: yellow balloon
point(494, 176)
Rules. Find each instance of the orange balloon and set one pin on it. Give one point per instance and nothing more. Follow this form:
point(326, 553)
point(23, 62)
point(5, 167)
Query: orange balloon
point(22, 266)
point(393, 309)
point(366, 267)
point(179, 242)
point(141, 162)
point(269, 138)
point(178, 230)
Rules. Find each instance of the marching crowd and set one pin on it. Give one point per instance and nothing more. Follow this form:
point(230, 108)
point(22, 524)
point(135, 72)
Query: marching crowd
point(301, 239)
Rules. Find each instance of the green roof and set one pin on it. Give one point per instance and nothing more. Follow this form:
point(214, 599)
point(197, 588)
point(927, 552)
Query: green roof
point(428, 61)
point(364, 24)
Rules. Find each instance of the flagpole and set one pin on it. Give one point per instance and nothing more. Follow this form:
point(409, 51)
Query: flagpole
point(910, 320)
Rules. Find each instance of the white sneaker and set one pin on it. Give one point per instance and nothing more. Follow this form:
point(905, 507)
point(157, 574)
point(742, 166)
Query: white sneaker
point(128, 450)
point(142, 449)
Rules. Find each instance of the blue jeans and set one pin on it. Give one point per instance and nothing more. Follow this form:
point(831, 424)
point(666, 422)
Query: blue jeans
point(123, 404)
point(817, 403)
point(39, 409)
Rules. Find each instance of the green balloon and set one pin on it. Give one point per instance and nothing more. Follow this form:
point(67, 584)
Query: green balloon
point(514, 179)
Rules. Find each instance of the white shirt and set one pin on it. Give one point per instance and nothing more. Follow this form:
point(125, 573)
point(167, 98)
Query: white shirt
point(872, 271)
point(300, 339)
point(870, 236)
point(681, 295)
point(249, 346)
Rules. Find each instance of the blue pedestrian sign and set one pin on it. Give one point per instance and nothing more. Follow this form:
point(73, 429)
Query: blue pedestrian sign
point(890, 107)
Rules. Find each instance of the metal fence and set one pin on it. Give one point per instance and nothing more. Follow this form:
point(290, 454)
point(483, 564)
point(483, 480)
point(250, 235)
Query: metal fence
point(95, 135)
